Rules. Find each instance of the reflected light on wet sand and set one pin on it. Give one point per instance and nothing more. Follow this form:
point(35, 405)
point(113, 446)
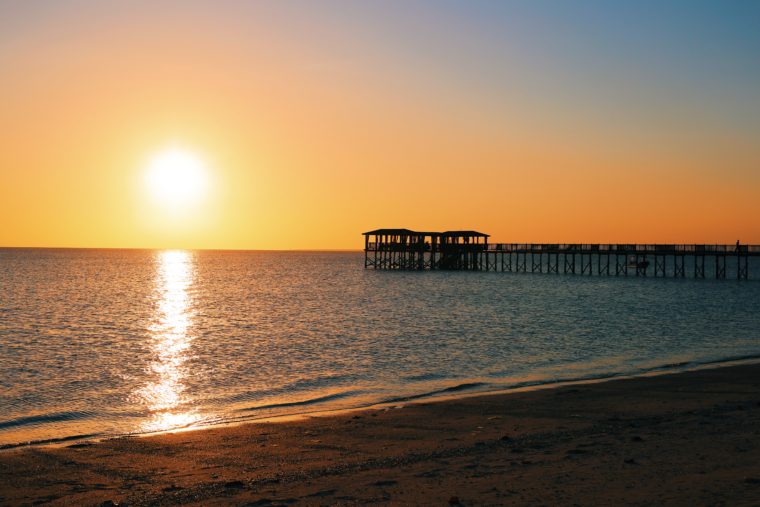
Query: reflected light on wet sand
point(171, 343)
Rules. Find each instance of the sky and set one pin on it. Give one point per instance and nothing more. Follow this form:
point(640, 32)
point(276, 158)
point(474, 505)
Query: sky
point(533, 121)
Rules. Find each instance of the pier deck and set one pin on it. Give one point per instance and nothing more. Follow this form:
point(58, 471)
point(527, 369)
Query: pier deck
point(404, 249)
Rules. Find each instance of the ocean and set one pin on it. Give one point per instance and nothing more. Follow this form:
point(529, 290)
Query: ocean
point(100, 343)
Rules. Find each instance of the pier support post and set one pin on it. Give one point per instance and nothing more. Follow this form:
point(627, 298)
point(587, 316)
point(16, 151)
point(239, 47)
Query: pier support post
point(552, 268)
point(586, 264)
point(659, 265)
point(678, 266)
point(536, 266)
point(641, 265)
point(570, 263)
point(699, 266)
point(742, 267)
point(621, 267)
point(720, 267)
point(520, 263)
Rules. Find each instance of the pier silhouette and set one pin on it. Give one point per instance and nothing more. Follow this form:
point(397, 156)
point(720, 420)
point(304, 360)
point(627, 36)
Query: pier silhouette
point(404, 249)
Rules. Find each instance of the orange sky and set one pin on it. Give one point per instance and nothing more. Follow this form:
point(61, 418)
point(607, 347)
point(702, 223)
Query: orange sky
point(316, 125)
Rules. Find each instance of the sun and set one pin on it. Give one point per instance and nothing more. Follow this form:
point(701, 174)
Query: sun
point(176, 177)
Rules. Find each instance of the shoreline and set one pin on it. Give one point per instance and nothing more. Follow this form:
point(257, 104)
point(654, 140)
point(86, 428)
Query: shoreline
point(670, 438)
point(466, 389)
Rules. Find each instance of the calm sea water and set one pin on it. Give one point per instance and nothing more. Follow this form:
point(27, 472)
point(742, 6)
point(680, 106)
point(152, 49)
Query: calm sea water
point(104, 342)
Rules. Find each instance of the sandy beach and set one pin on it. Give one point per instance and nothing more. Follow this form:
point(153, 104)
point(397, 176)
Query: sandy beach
point(676, 439)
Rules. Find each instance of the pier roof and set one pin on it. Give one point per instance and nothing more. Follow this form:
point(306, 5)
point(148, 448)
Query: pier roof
point(390, 231)
point(465, 233)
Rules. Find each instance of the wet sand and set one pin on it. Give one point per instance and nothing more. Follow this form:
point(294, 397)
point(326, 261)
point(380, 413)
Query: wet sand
point(678, 439)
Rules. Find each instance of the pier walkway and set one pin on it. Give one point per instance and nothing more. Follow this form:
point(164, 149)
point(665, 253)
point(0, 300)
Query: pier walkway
point(404, 249)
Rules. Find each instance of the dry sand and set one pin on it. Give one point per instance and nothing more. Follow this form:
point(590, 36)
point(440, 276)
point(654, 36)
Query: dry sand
point(681, 439)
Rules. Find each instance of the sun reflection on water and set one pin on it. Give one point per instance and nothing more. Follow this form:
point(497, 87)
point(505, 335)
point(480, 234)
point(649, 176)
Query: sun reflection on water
point(165, 396)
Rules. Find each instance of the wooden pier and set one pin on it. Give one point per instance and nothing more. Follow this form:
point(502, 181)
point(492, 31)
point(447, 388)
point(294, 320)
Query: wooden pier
point(404, 249)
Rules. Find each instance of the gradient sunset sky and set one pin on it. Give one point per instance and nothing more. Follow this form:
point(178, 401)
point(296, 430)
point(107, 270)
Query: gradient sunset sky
point(555, 121)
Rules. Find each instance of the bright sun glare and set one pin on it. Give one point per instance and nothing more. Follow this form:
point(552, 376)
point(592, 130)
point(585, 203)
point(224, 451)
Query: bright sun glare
point(176, 176)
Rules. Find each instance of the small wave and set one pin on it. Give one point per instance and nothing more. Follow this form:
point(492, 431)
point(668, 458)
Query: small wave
point(311, 401)
point(299, 385)
point(669, 365)
point(46, 441)
point(746, 357)
point(43, 419)
point(661, 368)
point(457, 388)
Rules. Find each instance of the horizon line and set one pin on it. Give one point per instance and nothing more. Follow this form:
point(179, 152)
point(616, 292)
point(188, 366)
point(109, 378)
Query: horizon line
point(337, 250)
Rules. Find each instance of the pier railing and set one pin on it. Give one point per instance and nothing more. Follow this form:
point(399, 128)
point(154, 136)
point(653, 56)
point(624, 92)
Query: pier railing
point(572, 247)
point(622, 248)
